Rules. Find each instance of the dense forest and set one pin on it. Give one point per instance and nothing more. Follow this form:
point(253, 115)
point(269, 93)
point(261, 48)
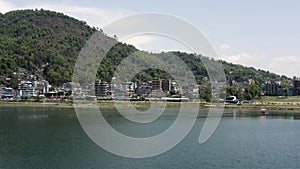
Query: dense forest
point(46, 44)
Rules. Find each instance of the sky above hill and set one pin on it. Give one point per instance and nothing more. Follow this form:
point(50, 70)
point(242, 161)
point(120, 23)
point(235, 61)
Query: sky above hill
point(260, 34)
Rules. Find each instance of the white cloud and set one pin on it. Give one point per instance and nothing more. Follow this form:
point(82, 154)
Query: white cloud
point(6, 6)
point(282, 65)
point(288, 65)
point(225, 47)
point(99, 17)
point(140, 40)
point(251, 60)
point(93, 16)
point(156, 43)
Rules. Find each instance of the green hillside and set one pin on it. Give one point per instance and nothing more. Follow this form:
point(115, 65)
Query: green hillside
point(47, 43)
point(44, 43)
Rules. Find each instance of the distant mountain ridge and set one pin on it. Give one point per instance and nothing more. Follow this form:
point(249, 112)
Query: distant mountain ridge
point(46, 43)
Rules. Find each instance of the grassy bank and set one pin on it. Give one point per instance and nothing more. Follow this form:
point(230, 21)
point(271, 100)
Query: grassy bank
point(290, 101)
point(279, 99)
point(275, 103)
point(102, 104)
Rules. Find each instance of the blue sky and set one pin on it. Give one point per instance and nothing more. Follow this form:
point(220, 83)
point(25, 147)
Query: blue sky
point(261, 34)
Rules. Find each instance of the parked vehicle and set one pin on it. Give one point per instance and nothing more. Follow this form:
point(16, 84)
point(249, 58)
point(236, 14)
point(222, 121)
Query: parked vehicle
point(232, 99)
point(247, 101)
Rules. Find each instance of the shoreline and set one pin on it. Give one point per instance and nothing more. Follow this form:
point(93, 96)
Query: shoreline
point(139, 104)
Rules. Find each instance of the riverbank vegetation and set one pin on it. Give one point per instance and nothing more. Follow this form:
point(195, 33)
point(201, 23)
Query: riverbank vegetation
point(264, 101)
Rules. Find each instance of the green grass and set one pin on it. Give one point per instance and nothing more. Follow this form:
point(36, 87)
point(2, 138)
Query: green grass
point(279, 99)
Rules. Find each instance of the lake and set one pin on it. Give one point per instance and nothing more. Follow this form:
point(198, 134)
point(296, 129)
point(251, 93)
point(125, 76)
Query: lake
point(49, 137)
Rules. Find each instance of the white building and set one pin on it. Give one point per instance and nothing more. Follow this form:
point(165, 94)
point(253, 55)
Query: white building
point(26, 89)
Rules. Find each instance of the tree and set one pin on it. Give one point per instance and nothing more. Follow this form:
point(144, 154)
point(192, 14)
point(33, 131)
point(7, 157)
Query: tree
point(253, 91)
point(205, 90)
point(286, 87)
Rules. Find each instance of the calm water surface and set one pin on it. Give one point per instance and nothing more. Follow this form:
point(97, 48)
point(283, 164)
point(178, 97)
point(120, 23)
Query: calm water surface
point(39, 137)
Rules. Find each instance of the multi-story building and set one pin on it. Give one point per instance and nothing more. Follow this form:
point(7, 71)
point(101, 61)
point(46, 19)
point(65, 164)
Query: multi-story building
point(33, 86)
point(166, 85)
point(296, 86)
point(42, 86)
point(101, 88)
point(6, 92)
point(273, 88)
point(143, 90)
point(126, 88)
point(26, 89)
point(156, 84)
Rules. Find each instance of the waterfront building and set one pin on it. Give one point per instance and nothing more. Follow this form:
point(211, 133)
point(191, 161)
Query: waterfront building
point(143, 90)
point(296, 86)
point(126, 89)
point(26, 89)
point(101, 88)
point(273, 88)
point(156, 84)
point(166, 85)
point(6, 92)
point(42, 86)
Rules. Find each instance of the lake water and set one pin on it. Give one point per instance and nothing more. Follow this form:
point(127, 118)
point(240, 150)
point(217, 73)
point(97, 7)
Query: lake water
point(40, 137)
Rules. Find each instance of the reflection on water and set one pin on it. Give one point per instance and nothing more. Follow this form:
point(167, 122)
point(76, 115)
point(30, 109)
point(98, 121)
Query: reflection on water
point(35, 113)
point(45, 137)
point(43, 116)
point(32, 117)
point(236, 113)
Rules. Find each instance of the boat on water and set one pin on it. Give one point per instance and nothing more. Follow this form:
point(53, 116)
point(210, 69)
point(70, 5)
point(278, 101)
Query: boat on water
point(264, 111)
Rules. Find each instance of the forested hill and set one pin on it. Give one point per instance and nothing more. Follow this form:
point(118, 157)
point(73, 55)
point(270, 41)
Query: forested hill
point(47, 43)
point(43, 42)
